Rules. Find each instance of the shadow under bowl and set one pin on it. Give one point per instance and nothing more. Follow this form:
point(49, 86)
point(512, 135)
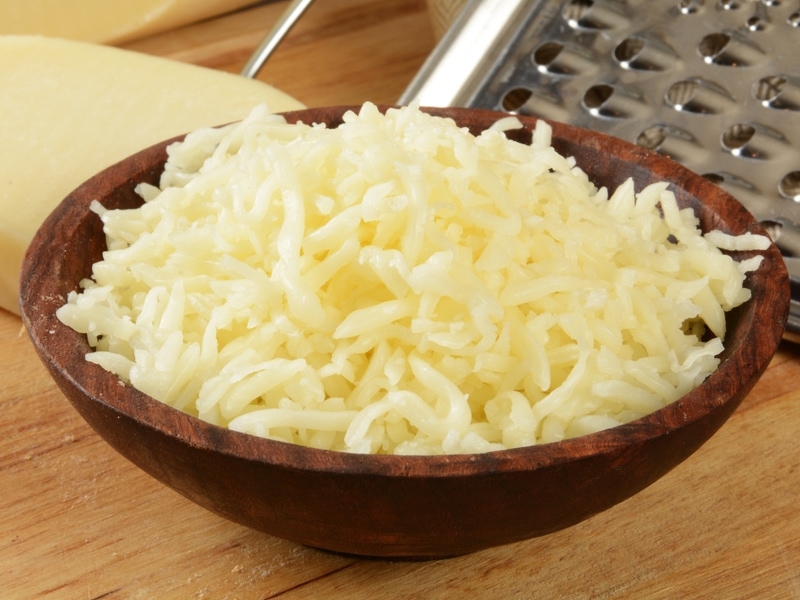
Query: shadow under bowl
point(398, 506)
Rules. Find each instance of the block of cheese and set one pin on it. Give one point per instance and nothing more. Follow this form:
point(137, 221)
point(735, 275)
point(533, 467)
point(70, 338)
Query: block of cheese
point(69, 109)
point(106, 21)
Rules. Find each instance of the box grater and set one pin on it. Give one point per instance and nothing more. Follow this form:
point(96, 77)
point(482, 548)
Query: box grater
point(713, 84)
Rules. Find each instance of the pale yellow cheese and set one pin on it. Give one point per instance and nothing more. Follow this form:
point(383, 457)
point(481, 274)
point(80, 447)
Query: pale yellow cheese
point(106, 20)
point(70, 109)
point(397, 285)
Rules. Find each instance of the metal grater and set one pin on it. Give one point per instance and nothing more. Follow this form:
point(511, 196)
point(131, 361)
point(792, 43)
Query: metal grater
point(713, 84)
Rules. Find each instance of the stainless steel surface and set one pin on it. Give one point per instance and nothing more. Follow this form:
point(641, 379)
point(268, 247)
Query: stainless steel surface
point(714, 84)
point(267, 46)
point(470, 51)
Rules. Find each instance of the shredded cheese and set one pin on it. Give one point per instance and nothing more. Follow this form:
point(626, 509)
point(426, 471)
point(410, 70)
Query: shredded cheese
point(398, 285)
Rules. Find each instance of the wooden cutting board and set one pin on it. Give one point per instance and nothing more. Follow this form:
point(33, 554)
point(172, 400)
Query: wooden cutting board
point(79, 521)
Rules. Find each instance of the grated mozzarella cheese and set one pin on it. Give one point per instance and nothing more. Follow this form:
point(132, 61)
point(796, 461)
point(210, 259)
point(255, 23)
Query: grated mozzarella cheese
point(397, 285)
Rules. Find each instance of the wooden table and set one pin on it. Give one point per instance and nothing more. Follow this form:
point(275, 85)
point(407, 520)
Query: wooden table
point(78, 521)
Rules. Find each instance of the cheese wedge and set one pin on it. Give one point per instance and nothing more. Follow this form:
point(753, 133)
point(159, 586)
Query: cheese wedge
point(106, 21)
point(69, 109)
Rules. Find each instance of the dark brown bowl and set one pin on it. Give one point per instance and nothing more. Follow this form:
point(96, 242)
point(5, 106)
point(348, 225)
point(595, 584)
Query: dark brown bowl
point(398, 506)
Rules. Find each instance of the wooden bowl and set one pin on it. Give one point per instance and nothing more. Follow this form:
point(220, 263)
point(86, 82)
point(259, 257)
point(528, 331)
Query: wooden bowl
point(398, 506)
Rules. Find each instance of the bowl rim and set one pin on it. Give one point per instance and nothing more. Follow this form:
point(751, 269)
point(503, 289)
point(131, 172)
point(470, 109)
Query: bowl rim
point(744, 359)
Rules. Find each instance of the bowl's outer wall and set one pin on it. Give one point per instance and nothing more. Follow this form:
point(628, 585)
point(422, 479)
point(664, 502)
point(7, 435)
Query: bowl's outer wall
point(395, 516)
point(396, 506)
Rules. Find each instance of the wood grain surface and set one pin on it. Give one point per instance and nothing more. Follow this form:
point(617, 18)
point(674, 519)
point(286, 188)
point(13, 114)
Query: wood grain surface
point(79, 521)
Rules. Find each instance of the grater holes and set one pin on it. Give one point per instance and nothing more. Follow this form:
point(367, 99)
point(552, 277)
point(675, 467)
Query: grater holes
point(737, 136)
point(794, 19)
point(778, 92)
point(682, 93)
point(628, 50)
point(576, 10)
point(538, 102)
point(670, 141)
point(515, 99)
point(641, 54)
point(597, 95)
point(547, 53)
point(698, 96)
point(713, 45)
point(729, 4)
point(604, 100)
point(690, 7)
point(557, 59)
point(752, 140)
point(652, 138)
point(768, 89)
point(593, 15)
point(756, 24)
point(729, 50)
point(789, 186)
